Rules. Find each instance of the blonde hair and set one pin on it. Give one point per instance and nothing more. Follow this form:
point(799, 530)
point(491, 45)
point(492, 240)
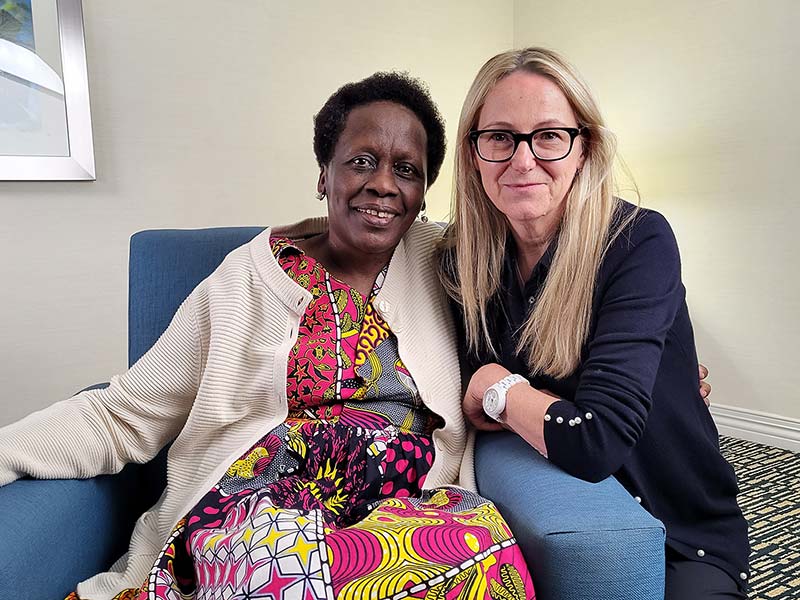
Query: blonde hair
point(474, 247)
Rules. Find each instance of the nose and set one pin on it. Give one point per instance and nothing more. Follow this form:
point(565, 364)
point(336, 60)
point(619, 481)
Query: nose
point(523, 158)
point(382, 182)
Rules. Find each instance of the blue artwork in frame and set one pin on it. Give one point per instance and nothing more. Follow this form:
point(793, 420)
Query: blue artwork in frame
point(28, 84)
point(16, 23)
point(45, 120)
point(16, 26)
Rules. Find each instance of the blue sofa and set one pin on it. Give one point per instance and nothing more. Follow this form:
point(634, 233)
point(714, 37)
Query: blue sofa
point(581, 540)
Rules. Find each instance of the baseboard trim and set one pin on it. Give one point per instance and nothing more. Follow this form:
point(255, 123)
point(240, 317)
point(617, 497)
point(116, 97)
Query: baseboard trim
point(764, 428)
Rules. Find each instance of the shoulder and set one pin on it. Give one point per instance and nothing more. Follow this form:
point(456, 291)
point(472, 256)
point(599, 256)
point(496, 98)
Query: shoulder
point(638, 223)
point(244, 272)
point(643, 252)
point(424, 234)
point(422, 240)
point(641, 232)
point(242, 260)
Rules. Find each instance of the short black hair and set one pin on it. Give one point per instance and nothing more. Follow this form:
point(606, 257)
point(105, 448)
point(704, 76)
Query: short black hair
point(390, 86)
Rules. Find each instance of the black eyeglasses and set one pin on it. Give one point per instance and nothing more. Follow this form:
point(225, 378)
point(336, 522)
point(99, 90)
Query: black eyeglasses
point(499, 145)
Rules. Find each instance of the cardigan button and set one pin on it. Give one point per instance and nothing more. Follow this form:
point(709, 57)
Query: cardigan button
point(701, 553)
point(742, 576)
point(384, 306)
point(572, 422)
point(638, 499)
point(577, 421)
point(589, 416)
point(547, 417)
point(559, 420)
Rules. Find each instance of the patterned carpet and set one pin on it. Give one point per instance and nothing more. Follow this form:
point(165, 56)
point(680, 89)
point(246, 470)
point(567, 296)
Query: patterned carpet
point(769, 483)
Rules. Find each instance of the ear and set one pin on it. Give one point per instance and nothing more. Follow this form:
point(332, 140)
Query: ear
point(322, 180)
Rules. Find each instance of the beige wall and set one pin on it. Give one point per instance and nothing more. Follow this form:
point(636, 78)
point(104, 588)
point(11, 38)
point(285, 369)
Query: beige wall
point(186, 101)
point(703, 97)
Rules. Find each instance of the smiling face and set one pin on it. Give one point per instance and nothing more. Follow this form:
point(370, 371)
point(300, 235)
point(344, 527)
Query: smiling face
point(375, 181)
point(527, 190)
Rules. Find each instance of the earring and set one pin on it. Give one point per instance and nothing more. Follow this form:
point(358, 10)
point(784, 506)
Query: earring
point(422, 216)
point(320, 196)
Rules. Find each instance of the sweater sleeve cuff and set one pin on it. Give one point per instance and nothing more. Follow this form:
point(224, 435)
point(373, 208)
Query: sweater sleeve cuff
point(564, 423)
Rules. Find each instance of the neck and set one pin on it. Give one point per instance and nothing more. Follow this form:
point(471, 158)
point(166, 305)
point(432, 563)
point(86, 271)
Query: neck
point(358, 270)
point(532, 239)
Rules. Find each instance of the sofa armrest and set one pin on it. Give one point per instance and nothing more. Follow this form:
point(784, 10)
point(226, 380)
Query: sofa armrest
point(58, 532)
point(581, 540)
point(55, 533)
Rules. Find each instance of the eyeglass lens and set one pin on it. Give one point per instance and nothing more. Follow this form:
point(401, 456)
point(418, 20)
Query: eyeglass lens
point(548, 144)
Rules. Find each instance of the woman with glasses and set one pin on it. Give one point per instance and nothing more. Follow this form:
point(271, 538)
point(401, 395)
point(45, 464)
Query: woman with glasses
point(573, 317)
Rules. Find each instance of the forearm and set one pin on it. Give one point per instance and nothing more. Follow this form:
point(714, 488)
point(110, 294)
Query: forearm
point(525, 412)
point(99, 431)
point(55, 443)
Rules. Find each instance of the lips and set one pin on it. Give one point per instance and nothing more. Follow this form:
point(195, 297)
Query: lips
point(376, 216)
point(376, 212)
point(522, 188)
point(523, 185)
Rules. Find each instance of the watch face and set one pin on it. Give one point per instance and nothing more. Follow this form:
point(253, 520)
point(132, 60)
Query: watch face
point(490, 401)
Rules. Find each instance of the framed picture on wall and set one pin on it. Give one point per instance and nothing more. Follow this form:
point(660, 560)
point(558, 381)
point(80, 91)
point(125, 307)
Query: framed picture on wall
point(45, 121)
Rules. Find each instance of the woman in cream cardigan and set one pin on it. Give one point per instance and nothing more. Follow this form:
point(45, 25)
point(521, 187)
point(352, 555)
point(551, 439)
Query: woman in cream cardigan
point(312, 390)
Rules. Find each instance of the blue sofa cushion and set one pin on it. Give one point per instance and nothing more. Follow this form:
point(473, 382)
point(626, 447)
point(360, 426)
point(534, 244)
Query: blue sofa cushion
point(62, 531)
point(581, 540)
point(165, 266)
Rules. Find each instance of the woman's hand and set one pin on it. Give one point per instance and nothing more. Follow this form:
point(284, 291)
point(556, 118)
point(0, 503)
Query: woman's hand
point(473, 400)
point(705, 387)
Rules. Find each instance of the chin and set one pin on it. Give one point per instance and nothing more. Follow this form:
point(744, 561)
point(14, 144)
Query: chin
point(526, 211)
point(378, 244)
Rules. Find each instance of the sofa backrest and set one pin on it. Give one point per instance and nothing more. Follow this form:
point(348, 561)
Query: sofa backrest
point(165, 265)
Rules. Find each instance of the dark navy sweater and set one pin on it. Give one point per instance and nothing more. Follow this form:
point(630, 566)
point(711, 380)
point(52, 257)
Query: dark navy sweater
point(635, 393)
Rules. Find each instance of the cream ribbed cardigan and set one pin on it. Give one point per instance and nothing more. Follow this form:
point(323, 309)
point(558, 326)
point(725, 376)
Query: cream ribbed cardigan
point(216, 383)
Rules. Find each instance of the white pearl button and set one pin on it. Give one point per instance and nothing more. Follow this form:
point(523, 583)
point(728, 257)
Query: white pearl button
point(701, 553)
point(547, 417)
point(577, 420)
point(559, 420)
point(638, 499)
point(383, 305)
point(588, 416)
point(743, 576)
point(572, 422)
point(531, 300)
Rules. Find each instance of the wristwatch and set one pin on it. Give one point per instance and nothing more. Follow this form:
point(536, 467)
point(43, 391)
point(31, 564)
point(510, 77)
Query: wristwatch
point(494, 398)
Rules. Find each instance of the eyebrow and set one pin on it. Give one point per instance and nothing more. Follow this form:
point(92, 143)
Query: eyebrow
point(540, 124)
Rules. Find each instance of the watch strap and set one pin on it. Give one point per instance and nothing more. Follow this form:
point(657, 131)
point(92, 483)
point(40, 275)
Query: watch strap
point(501, 389)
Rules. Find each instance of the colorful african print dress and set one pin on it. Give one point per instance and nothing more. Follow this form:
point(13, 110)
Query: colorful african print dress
point(329, 505)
